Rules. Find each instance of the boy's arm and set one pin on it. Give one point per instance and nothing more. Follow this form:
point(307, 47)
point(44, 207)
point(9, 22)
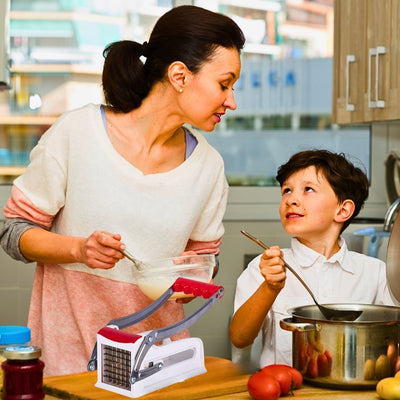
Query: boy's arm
point(249, 317)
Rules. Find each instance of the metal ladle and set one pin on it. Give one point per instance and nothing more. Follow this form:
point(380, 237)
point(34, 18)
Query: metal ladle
point(327, 312)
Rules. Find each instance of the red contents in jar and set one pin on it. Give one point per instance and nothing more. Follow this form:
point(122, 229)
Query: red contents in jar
point(23, 378)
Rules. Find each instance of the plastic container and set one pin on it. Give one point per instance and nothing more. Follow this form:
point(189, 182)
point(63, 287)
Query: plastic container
point(22, 373)
point(160, 274)
point(13, 335)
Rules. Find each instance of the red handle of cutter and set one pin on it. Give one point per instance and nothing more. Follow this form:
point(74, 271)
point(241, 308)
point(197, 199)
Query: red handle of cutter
point(197, 288)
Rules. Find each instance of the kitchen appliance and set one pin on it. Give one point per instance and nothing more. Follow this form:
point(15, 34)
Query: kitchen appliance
point(4, 44)
point(392, 175)
point(136, 364)
point(345, 354)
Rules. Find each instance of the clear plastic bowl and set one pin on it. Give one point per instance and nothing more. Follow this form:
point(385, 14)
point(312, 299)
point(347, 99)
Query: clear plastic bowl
point(160, 274)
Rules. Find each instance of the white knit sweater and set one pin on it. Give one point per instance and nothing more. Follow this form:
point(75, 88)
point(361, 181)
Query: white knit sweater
point(76, 174)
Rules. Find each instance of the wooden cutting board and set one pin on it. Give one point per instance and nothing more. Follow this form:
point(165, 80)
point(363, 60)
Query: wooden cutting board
point(222, 377)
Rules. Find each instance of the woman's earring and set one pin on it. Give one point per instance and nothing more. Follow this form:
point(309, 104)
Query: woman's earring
point(180, 90)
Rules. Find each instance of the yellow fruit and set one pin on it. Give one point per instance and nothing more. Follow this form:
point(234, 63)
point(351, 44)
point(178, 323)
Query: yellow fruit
point(382, 367)
point(369, 370)
point(397, 375)
point(389, 389)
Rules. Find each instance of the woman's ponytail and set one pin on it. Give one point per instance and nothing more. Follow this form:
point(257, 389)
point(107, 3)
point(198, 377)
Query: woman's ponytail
point(124, 82)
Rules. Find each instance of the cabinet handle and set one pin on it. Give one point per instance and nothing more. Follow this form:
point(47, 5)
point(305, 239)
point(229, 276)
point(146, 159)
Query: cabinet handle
point(371, 53)
point(375, 52)
point(349, 59)
point(379, 51)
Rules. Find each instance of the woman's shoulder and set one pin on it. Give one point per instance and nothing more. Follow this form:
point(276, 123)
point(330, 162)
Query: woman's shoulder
point(73, 122)
point(80, 114)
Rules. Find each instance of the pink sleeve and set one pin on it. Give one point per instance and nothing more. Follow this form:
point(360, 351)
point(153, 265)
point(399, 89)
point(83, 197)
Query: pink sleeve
point(19, 206)
point(204, 247)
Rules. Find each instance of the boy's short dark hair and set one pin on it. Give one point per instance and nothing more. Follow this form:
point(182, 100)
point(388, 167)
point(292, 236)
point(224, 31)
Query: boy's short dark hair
point(346, 180)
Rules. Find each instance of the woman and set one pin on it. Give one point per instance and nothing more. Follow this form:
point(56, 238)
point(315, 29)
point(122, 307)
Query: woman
point(125, 174)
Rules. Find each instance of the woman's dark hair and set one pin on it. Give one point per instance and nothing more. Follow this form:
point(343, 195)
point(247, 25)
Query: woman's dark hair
point(187, 33)
point(346, 180)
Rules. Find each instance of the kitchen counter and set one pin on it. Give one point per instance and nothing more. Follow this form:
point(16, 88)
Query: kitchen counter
point(223, 381)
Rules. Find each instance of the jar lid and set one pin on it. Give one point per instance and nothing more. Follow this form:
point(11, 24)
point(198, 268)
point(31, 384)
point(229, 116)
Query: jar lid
point(12, 334)
point(22, 352)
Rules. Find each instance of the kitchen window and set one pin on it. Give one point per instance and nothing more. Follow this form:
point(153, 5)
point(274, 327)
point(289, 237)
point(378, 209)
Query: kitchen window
point(283, 95)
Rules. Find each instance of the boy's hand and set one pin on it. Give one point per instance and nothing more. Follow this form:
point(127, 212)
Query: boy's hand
point(272, 268)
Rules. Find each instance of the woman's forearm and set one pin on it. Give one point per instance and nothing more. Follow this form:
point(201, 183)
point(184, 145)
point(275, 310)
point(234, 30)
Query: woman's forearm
point(99, 250)
point(40, 245)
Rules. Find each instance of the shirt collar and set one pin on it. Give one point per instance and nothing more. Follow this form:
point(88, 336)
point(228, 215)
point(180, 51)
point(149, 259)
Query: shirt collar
point(306, 257)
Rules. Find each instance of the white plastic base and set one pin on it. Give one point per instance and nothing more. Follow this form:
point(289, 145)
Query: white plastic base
point(167, 375)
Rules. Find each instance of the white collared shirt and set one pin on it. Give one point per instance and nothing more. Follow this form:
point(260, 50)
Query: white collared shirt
point(347, 277)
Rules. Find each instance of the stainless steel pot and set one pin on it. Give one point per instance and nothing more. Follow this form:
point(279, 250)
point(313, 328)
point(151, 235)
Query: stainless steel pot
point(342, 354)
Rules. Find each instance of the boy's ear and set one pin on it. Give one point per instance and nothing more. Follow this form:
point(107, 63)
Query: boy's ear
point(345, 211)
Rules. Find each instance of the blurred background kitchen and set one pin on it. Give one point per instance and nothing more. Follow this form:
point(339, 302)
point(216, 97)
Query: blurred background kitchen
point(292, 95)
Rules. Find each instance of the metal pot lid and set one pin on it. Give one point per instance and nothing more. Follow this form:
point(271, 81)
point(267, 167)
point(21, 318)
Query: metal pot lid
point(371, 313)
point(393, 259)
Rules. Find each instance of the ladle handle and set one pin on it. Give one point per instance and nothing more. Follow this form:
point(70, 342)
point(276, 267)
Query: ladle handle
point(265, 247)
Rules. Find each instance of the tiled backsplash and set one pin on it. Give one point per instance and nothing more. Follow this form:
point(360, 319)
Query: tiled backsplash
point(15, 290)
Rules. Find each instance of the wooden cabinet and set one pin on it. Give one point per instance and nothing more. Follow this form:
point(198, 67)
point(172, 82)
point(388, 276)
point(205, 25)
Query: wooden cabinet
point(366, 81)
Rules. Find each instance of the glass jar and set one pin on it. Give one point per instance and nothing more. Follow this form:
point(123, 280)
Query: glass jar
point(12, 335)
point(22, 373)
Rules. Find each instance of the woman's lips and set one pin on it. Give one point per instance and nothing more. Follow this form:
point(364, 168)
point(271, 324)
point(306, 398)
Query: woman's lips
point(218, 116)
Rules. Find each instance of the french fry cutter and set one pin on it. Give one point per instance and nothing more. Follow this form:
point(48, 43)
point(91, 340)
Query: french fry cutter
point(136, 364)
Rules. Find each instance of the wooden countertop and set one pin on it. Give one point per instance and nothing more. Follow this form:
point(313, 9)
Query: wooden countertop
point(222, 381)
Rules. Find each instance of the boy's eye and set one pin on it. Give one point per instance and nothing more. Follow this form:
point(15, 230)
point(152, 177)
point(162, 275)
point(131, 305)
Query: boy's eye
point(309, 189)
point(286, 190)
point(224, 87)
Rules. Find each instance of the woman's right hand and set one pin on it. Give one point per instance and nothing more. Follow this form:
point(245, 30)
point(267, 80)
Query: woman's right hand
point(272, 268)
point(101, 250)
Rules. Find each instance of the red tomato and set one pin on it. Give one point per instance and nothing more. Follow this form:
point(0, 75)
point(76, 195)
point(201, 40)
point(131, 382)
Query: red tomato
point(262, 386)
point(312, 368)
point(323, 367)
point(310, 349)
point(282, 375)
point(297, 377)
point(329, 359)
point(303, 359)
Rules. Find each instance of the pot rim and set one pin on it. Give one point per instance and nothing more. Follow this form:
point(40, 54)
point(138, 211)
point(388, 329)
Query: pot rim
point(375, 308)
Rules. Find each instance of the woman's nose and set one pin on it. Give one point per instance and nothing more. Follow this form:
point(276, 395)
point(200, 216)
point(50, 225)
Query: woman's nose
point(230, 101)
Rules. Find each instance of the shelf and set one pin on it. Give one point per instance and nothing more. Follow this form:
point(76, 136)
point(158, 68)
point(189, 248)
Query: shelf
point(56, 69)
point(26, 120)
point(12, 170)
point(66, 15)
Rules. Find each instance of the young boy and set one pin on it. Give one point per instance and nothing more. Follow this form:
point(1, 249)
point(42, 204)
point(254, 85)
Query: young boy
point(321, 193)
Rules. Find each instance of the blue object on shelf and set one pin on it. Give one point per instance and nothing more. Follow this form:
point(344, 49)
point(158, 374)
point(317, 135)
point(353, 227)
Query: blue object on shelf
point(374, 238)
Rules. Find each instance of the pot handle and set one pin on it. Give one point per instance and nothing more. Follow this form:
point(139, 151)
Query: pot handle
point(288, 325)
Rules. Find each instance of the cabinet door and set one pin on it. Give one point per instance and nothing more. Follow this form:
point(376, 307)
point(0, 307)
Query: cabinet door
point(383, 35)
point(349, 61)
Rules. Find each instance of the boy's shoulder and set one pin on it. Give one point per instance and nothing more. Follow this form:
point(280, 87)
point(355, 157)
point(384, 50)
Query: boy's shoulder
point(361, 260)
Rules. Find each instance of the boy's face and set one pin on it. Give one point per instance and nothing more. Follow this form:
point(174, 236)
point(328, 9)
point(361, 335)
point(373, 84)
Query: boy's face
point(308, 206)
